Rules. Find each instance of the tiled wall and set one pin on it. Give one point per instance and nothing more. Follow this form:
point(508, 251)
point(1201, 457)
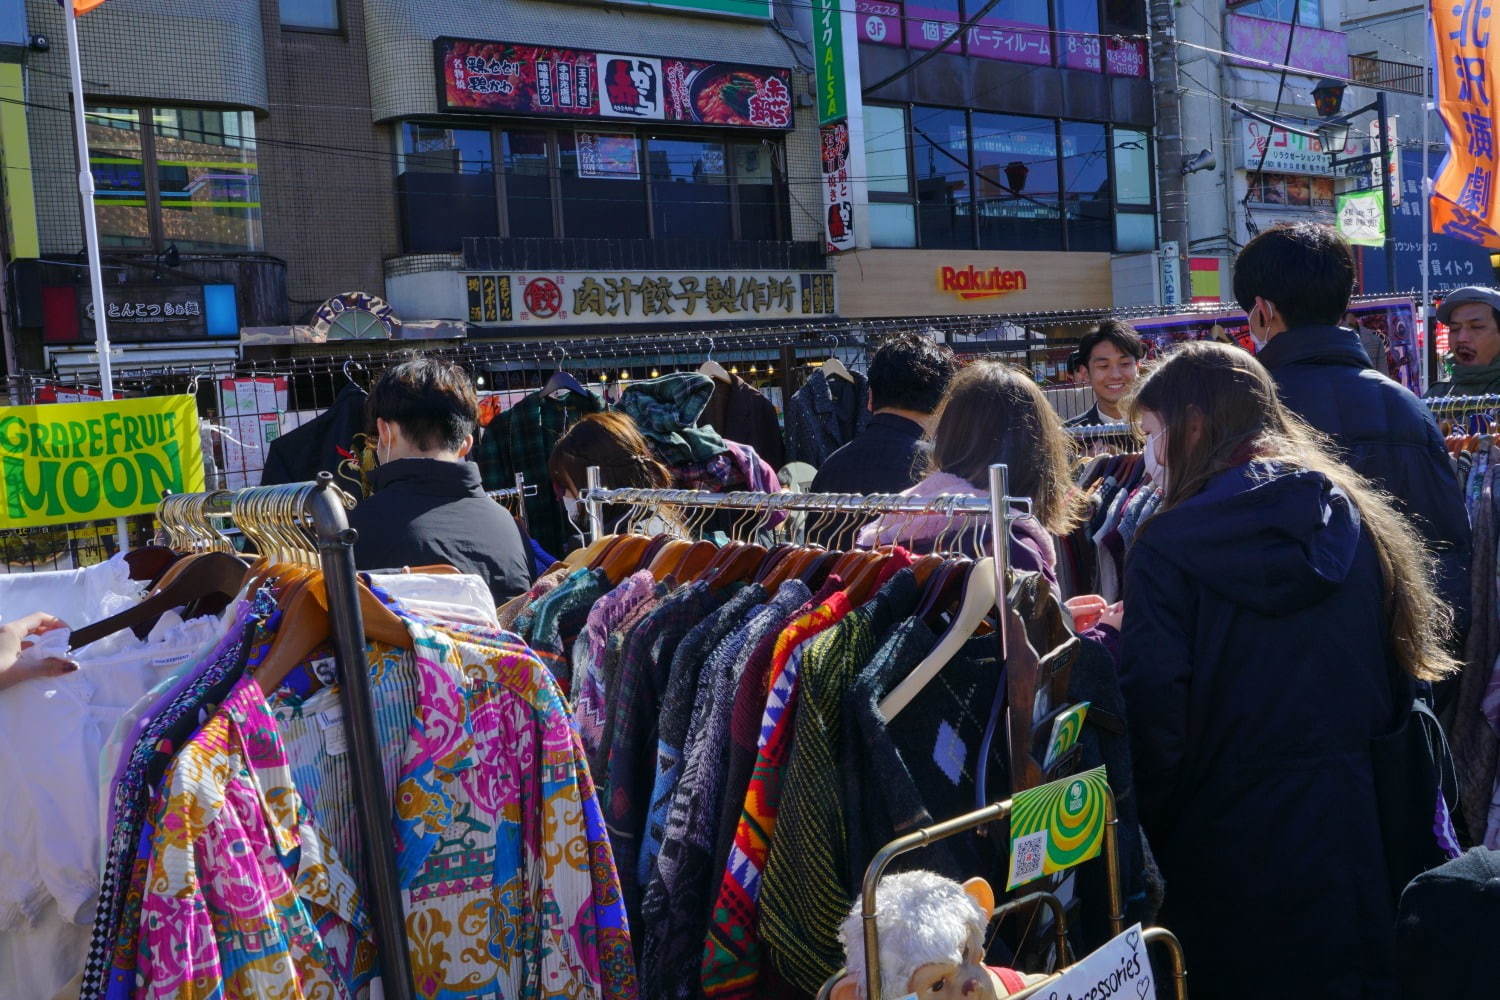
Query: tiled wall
point(213, 50)
point(327, 173)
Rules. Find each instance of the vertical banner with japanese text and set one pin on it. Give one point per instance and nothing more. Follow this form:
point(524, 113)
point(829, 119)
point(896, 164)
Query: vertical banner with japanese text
point(1463, 197)
point(828, 53)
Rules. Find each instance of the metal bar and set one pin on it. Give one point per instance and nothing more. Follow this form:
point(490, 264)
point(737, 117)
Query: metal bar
point(1000, 543)
point(1462, 402)
point(1387, 166)
point(595, 505)
point(522, 494)
point(852, 503)
point(1059, 918)
point(1101, 430)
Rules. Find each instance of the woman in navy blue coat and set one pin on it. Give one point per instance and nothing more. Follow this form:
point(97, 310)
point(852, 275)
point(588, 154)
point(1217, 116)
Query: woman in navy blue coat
point(1276, 610)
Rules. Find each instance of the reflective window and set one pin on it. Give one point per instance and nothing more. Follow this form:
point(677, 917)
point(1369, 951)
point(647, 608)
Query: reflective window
point(885, 149)
point(1132, 167)
point(1311, 14)
point(1135, 231)
point(1001, 33)
point(893, 225)
point(689, 188)
point(1086, 194)
point(761, 209)
point(117, 161)
point(940, 148)
point(1015, 158)
point(447, 187)
point(310, 14)
point(528, 182)
point(602, 191)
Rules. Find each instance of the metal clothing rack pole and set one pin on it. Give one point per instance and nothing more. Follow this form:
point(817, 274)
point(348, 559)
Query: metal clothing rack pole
point(518, 492)
point(1462, 402)
point(1101, 430)
point(320, 506)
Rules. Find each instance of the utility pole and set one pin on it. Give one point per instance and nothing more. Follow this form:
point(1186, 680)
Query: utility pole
point(1171, 181)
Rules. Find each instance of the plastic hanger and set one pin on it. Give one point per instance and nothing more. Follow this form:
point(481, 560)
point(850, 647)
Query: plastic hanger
point(715, 371)
point(834, 368)
point(978, 604)
point(943, 589)
point(563, 381)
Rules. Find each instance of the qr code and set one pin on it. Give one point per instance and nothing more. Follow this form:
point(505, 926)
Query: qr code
point(1026, 861)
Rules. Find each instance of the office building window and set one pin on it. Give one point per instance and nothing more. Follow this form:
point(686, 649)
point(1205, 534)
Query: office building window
point(690, 188)
point(1310, 15)
point(447, 187)
point(940, 160)
point(181, 176)
point(317, 14)
point(1016, 160)
point(1135, 213)
point(1086, 194)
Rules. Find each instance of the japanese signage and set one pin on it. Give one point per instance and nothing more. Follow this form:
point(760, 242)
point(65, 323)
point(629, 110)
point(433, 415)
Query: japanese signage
point(1285, 152)
point(1012, 41)
point(973, 283)
point(1463, 199)
point(1171, 273)
point(1263, 44)
point(838, 195)
point(646, 296)
point(72, 462)
point(135, 312)
point(1125, 56)
point(1450, 263)
point(511, 79)
point(251, 410)
point(879, 21)
point(1056, 826)
point(603, 156)
point(732, 8)
point(828, 53)
point(1119, 969)
point(1361, 217)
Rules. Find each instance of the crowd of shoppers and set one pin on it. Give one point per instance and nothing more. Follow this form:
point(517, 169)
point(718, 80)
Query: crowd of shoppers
point(1297, 595)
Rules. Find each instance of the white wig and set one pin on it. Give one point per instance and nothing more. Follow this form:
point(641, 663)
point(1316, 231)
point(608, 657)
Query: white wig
point(922, 917)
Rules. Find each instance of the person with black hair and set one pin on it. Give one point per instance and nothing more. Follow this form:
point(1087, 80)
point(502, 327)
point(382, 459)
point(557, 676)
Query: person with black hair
point(908, 376)
point(1109, 356)
point(1294, 282)
point(429, 506)
point(1472, 316)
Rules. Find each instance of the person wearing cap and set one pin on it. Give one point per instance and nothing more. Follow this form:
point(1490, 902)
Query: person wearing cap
point(1472, 316)
point(1294, 283)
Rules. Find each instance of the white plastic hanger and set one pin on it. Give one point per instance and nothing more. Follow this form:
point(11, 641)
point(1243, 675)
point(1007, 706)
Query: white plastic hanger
point(977, 605)
point(712, 368)
point(834, 368)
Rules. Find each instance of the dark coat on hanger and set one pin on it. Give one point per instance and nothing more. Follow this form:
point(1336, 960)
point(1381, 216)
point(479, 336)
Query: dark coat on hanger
point(426, 511)
point(824, 415)
point(319, 445)
point(1256, 670)
point(1386, 434)
point(740, 412)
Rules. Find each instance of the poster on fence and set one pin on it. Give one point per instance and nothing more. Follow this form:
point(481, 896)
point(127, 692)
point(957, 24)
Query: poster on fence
point(251, 410)
point(69, 462)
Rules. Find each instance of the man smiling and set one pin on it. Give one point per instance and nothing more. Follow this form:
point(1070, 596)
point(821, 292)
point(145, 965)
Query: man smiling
point(1472, 316)
point(1110, 356)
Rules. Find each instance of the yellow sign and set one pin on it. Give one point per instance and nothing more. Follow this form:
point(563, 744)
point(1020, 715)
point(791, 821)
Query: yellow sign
point(67, 462)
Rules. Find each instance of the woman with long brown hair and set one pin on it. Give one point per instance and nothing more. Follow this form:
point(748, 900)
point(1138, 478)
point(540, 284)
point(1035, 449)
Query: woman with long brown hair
point(1278, 611)
point(612, 442)
point(993, 413)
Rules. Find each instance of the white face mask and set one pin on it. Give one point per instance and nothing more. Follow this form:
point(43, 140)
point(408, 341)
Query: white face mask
point(1258, 335)
point(1155, 445)
point(571, 508)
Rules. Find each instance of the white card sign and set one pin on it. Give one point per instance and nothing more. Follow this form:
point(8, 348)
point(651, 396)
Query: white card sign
point(1117, 970)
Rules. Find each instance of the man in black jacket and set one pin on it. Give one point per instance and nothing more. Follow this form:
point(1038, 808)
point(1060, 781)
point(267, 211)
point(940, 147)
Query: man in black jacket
point(1295, 281)
point(908, 376)
point(429, 505)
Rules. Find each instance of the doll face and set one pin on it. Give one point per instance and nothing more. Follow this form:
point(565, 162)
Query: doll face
point(951, 981)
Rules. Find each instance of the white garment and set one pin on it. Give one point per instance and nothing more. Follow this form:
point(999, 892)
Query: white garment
point(37, 961)
point(441, 595)
point(74, 595)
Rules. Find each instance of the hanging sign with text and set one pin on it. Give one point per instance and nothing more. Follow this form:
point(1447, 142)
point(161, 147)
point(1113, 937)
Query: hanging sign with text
point(1361, 217)
point(828, 52)
point(512, 79)
point(646, 296)
point(838, 192)
point(72, 462)
point(1463, 199)
point(1119, 969)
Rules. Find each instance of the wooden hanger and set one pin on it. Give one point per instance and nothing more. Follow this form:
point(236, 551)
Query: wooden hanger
point(834, 368)
point(209, 574)
point(306, 625)
point(667, 558)
point(625, 558)
point(978, 604)
point(715, 371)
point(695, 561)
point(739, 564)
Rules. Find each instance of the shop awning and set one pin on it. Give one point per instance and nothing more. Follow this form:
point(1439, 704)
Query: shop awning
point(403, 73)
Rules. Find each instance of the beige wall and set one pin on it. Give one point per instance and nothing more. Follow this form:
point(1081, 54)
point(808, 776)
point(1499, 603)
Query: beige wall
point(874, 283)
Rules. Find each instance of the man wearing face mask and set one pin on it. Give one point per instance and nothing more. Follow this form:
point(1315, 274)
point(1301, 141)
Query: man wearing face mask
point(1294, 282)
point(429, 506)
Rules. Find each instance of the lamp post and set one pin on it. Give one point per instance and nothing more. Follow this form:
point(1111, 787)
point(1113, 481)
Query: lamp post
point(1333, 133)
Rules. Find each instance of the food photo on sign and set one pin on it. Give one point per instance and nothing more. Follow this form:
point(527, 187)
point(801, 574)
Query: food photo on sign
point(508, 78)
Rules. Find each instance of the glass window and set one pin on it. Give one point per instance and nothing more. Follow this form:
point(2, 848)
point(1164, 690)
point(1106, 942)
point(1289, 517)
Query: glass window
point(931, 22)
point(1132, 167)
point(1124, 16)
point(117, 161)
point(528, 182)
point(447, 187)
point(1086, 194)
point(1310, 16)
point(602, 192)
point(689, 189)
point(762, 212)
point(310, 14)
point(940, 142)
point(1078, 40)
point(995, 36)
point(207, 179)
point(1135, 231)
point(885, 149)
point(1015, 159)
point(892, 225)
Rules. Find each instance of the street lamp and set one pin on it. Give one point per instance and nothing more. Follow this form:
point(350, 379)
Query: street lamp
point(1333, 135)
point(1334, 145)
point(1328, 96)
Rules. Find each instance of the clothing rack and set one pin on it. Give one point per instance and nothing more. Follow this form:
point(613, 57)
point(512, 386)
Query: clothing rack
point(1101, 430)
point(518, 493)
point(999, 507)
point(316, 511)
point(1439, 405)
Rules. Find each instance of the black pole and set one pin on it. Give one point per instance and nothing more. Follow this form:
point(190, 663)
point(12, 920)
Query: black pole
point(373, 802)
point(1387, 209)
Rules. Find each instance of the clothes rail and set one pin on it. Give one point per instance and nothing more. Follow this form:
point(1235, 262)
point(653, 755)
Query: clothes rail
point(315, 512)
point(1101, 430)
point(518, 492)
point(998, 507)
point(1463, 402)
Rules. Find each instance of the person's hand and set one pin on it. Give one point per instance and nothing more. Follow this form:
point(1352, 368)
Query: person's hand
point(1086, 610)
point(15, 638)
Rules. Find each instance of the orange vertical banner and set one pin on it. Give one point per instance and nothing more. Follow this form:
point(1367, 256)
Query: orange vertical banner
point(1463, 198)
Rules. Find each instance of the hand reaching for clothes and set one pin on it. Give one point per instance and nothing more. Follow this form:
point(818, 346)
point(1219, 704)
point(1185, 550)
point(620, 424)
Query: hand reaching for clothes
point(16, 638)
